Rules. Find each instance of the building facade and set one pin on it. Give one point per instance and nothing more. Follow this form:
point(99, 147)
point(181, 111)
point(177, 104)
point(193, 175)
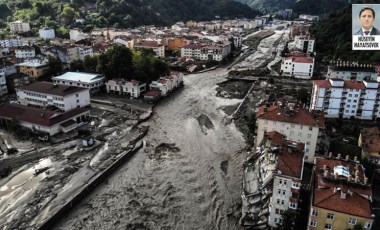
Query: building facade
point(3, 83)
point(299, 67)
point(351, 72)
point(132, 88)
point(33, 68)
point(157, 48)
point(304, 43)
point(346, 99)
point(19, 27)
point(25, 52)
point(45, 94)
point(295, 122)
point(341, 195)
point(46, 33)
point(369, 141)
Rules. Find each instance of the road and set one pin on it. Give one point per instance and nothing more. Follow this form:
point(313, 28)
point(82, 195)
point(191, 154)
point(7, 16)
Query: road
point(191, 182)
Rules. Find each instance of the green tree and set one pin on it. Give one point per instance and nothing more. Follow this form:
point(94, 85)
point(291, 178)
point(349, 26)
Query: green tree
point(68, 14)
point(303, 95)
point(287, 222)
point(116, 63)
point(358, 227)
point(55, 68)
point(90, 63)
point(77, 65)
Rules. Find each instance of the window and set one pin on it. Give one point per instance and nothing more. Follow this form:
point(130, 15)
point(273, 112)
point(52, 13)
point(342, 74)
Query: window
point(310, 128)
point(282, 202)
point(313, 223)
point(330, 216)
point(280, 182)
point(347, 111)
point(352, 221)
point(355, 101)
point(278, 201)
point(349, 100)
point(314, 212)
point(328, 226)
point(275, 220)
point(348, 106)
point(292, 205)
point(354, 106)
point(279, 191)
point(368, 225)
point(307, 150)
point(308, 136)
point(277, 211)
point(352, 111)
point(285, 181)
point(299, 134)
point(283, 192)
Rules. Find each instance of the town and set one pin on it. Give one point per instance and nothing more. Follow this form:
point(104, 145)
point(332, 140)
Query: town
point(293, 140)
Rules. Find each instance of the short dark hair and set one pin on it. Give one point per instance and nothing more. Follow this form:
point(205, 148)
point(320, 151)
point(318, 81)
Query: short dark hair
point(366, 8)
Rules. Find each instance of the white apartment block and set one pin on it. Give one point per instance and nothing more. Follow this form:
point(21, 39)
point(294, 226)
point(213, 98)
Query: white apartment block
point(162, 85)
point(309, 17)
point(83, 51)
point(12, 42)
point(346, 99)
point(77, 35)
point(122, 87)
point(215, 52)
point(3, 83)
point(25, 52)
point(351, 71)
point(299, 67)
point(192, 51)
point(293, 121)
point(91, 81)
point(19, 27)
point(157, 48)
point(46, 33)
point(43, 94)
point(304, 43)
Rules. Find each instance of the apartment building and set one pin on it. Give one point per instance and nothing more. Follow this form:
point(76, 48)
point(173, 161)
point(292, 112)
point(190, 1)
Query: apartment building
point(306, 43)
point(298, 67)
point(45, 94)
point(192, 51)
point(346, 99)
point(33, 68)
point(132, 88)
point(215, 52)
point(16, 80)
point(284, 163)
point(19, 27)
point(46, 33)
point(3, 83)
point(25, 52)
point(91, 81)
point(295, 122)
point(341, 195)
point(157, 48)
point(351, 71)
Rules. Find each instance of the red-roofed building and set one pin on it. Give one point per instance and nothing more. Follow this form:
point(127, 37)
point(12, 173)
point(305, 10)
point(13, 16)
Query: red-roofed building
point(299, 67)
point(281, 168)
point(294, 121)
point(346, 99)
point(341, 195)
point(132, 88)
point(43, 120)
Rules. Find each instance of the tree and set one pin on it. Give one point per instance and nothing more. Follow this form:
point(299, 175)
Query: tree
point(68, 14)
point(55, 67)
point(358, 227)
point(116, 63)
point(303, 95)
point(287, 222)
point(90, 63)
point(77, 66)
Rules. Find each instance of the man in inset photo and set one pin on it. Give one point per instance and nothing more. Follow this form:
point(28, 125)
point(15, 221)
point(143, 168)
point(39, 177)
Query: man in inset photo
point(367, 18)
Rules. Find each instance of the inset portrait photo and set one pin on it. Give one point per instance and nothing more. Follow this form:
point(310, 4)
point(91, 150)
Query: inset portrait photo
point(365, 26)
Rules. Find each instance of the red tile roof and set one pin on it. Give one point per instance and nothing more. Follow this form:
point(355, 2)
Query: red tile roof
point(327, 191)
point(148, 44)
point(36, 115)
point(322, 83)
point(290, 154)
point(193, 46)
point(50, 88)
point(303, 59)
point(296, 116)
point(152, 93)
point(353, 85)
point(347, 84)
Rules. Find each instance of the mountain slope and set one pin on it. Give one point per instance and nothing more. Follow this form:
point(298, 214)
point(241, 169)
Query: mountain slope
point(123, 13)
point(334, 39)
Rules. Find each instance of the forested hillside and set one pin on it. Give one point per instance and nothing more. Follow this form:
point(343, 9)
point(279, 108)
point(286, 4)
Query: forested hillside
point(334, 38)
point(118, 13)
